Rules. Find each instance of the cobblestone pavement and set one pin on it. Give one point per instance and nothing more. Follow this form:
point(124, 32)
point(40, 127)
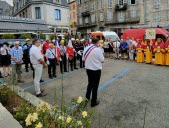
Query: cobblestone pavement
point(131, 95)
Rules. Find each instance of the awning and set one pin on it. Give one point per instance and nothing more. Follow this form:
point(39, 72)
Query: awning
point(23, 26)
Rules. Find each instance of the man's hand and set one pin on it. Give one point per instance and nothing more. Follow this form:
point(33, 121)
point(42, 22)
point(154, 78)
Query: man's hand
point(45, 65)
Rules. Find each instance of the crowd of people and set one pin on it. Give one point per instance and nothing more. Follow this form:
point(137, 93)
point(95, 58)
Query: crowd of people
point(38, 54)
point(147, 51)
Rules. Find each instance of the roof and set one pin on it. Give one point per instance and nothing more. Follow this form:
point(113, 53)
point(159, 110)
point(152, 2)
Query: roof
point(4, 6)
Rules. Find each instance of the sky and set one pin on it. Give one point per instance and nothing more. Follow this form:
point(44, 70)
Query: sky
point(9, 1)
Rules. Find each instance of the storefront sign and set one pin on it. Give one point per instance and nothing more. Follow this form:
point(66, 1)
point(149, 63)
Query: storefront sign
point(150, 33)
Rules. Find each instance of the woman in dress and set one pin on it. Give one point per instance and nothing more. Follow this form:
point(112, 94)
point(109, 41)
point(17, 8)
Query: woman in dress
point(6, 59)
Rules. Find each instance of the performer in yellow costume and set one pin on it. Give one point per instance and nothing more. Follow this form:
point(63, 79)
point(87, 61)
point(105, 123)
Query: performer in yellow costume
point(148, 51)
point(159, 50)
point(140, 52)
point(167, 52)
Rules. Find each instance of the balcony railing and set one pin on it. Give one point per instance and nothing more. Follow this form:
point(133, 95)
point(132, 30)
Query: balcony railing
point(86, 13)
point(121, 7)
point(127, 20)
point(86, 25)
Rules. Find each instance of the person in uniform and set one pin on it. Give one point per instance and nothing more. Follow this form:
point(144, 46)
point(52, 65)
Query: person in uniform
point(93, 58)
point(63, 58)
point(26, 55)
point(148, 51)
point(140, 52)
point(45, 46)
point(124, 49)
point(159, 50)
point(51, 54)
point(38, 63)
point(80, 52)
point(167, 52)
point(76, 46)
point(6, 59)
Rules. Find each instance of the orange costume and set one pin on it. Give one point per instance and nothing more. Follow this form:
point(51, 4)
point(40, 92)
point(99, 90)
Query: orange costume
point(159, 50)
point(140, 52)
point(148, 51)
point(167, 53)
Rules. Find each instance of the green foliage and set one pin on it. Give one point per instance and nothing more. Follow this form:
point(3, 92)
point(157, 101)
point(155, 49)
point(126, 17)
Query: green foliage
point(42, 36)
point(25, 35)
point(5, 94)
point(51, 37)
point(8, 36)
point(66, 36)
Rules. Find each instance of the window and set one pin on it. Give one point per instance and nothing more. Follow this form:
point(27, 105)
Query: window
point(157, 16)
point(109, 3)
point(101, 16)
point(121, 17)
point(74, 24)
point(132, 2)
point(37, 13)
point(86, 20)
point(109, 15)
point(133, 12)
point(79, 1)
point(100, 4)
point(80, 21)
point(156, 3)
point(70, 7)
point(73, 7)
point(92, 18)
point(92, 6)
point(120, 2)
point(1, 11)
point(74, 15)
point(57, 14)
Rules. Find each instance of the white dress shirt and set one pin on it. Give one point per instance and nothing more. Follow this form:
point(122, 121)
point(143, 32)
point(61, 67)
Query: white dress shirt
point(51, 53)
point(35, 55)
point(94, 59)
point(116, 44)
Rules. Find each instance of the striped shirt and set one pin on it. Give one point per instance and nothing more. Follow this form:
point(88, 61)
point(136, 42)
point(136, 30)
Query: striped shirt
point(51, 53)
point(17, 53)
point(62, 50)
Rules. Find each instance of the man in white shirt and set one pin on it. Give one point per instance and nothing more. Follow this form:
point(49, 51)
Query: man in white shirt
point(37, 61)
point(116, 45)
point(93, 58)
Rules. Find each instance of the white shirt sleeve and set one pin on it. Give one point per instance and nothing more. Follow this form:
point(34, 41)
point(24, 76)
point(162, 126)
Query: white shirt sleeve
point(37, 55)
point(100, 55)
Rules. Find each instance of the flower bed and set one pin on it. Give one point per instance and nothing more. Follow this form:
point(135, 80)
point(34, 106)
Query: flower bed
point(45, 115)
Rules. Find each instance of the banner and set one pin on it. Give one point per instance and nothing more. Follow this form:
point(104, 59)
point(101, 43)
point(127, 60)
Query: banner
point(150, 34)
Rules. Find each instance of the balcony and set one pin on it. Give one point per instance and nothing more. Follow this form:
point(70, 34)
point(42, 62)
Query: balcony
point(88, 25)
point(86, 13)
point(127, 20)
point(121, 7)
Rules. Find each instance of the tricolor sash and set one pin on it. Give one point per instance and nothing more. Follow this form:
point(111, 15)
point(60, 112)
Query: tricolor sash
point(88, 51)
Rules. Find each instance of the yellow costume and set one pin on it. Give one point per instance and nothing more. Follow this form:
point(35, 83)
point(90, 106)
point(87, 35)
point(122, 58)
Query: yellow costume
point(148, 54)
point(140, 53)
point(167, 56)
point(159, 55)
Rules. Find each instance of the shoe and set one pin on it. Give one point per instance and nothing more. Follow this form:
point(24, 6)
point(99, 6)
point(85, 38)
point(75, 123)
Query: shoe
point(95, 103)
point(9, 74)
point(41, 81)
point(20, 81)
point(40, 95)
point(1, 77)
point(66, 71)
point(27, 70)
point(42, 90)
point(54, 76)
point(75, 68)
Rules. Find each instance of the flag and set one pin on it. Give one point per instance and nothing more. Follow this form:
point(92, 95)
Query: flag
point(88, 40)
point(57, 47)
point(70, 50)
point(38, 35)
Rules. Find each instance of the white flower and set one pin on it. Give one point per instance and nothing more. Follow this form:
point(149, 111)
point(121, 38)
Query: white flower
point(61, 118)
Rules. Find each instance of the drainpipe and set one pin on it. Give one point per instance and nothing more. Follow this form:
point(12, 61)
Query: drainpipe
point(145, 9)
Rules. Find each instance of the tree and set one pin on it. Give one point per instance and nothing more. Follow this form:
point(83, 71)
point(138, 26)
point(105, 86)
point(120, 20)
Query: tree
point(42, 36)
point(25, 35)
point(51, 37)
point(8, 36)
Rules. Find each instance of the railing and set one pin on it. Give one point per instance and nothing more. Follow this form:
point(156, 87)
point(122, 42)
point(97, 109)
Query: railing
point(87, 25)
point(121, 7)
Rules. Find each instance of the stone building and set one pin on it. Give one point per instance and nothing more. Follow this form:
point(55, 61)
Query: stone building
point(73, 16)
point(116, 15)
point(4, 8)
point(54, 12)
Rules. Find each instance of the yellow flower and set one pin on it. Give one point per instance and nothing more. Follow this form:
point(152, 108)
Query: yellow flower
point(61, 118)
point(84, 114)
point(80, 99)
point(28, 120)
point(68, 120)
point(79, 123)
point(34, 117)
point(43, 107)
point(39, 125)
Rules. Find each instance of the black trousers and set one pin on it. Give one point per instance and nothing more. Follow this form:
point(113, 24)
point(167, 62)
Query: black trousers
point(52, 67)
point(27, 62)
point(93, 83)
point(74, 60)
point(63, 64)
point(71, 64)
point(81, 62)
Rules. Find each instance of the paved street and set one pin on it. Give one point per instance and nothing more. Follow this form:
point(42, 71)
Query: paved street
point(131, 94)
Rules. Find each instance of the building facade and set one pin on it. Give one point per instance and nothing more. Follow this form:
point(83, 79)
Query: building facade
point(117, 15)
point(54, 12)
point(4, 8)
point(73, 16)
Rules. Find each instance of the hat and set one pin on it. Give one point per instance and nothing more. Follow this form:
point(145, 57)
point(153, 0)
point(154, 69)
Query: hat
point(82, 40)
point(73, 39)
point(27, 39)
point(62, 41)
point(101, 41)
point(77, 39)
